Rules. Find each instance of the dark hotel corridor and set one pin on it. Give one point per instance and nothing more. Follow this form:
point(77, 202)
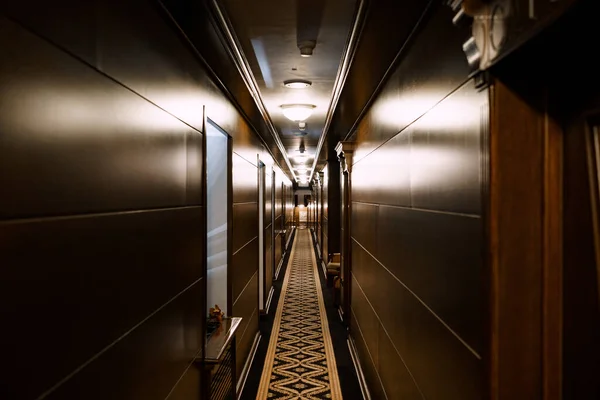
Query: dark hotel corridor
point(299, 199)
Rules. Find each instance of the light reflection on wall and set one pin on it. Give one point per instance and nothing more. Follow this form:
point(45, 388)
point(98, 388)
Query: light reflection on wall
point(387, 168)
point(78, 112)
point(402, 111)
point(439, 150)
point(68, 110)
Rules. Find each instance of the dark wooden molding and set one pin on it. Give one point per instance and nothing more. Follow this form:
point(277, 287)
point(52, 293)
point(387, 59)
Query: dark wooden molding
point(525, 245)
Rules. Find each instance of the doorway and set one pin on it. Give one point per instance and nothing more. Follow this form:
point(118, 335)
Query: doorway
point(265, 237)
point(218, 220)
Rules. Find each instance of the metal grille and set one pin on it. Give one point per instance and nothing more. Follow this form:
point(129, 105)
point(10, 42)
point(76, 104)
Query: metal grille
point(221, 386)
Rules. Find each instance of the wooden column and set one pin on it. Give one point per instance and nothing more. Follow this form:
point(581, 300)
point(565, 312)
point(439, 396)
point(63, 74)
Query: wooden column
point(525, 245)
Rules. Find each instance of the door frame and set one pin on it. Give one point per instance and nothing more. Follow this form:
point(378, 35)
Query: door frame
point(229, 169)
point(345, 152)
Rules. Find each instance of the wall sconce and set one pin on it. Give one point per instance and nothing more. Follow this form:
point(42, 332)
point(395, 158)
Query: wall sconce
point(306, 48)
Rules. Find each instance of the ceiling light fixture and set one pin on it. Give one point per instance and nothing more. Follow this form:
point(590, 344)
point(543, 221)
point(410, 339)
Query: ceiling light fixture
point(297, 83)
point(297, 112)
point(301, 158)
point(302, 126)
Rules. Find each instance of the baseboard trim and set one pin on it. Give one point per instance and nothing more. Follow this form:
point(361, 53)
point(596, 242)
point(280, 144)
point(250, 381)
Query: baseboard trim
point(246, 370)
point(269, 299)
point(358, 368)
point(279, 267)
point(287, 245)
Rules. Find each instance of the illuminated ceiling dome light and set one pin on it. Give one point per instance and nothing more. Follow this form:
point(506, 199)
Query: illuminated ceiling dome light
point(297, 112)
point(297, 83)
point(301, 158)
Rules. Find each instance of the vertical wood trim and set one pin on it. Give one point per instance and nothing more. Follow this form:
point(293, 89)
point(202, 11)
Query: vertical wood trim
point(553, 260)
point(515, 245)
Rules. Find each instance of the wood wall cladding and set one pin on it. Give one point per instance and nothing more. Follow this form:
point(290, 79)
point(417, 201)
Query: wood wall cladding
point(418, 299)
point(102, 235)
point(544, 312)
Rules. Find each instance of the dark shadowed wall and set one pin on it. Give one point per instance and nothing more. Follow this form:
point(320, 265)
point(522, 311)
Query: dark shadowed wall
point(417, 273)
point(101, 222)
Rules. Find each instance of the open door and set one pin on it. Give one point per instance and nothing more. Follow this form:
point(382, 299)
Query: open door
point(218, 218)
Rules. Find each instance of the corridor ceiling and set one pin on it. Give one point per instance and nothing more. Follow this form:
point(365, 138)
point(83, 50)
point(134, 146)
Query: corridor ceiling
point(269, 33)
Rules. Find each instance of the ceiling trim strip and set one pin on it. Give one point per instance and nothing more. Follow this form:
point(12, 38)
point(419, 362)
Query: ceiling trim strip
point(342, 74)
point(243, 67)
point(392, 67)
point(213, 75)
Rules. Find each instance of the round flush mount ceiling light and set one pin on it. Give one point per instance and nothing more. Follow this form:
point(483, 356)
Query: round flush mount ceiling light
point(297, 83)
point(297, 112)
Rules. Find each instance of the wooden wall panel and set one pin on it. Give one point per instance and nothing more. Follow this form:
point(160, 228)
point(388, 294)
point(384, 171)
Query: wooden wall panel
point(418, 274)
point(71, 102)
point(542, 124)
point(246, 304)
point(109, 99)
point(244, 261)
point(148, 362)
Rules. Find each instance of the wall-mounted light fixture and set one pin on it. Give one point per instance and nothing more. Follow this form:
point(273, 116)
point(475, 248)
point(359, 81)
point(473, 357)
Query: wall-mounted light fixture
point(306, 47)
point(297, 112)
point(297, 83)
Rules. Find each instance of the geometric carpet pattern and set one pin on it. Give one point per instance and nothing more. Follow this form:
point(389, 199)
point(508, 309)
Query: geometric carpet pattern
point(300, 362)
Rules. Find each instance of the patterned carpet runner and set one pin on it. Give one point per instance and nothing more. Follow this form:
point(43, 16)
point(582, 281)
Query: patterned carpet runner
point(300, 362)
